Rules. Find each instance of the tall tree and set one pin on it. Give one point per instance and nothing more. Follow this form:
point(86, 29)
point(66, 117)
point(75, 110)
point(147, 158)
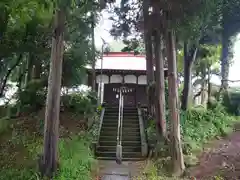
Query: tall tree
point(51, 128)
point(189, 59)
point(93, 53)
point(149, 55)
point(230, 26)
point(175, 137)
point(160, 83)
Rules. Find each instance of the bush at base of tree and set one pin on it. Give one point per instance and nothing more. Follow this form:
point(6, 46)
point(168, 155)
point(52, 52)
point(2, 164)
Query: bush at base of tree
point(198, 126)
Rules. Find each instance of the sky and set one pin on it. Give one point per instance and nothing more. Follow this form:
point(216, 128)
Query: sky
point(102, 31)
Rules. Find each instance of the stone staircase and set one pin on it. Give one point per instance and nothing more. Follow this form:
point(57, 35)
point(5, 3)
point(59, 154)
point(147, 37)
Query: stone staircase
point(131, 138)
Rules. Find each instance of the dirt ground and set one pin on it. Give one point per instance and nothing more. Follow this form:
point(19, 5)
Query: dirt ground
point(220, 159)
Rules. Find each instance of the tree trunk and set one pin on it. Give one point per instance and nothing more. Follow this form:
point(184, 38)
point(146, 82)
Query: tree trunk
point(209, 85)
point(160, 84)
point(93, 56)
point(225, 62)
point(189, 58)
point(149, 57)
point(49, 161)
point(204, 93)
point(175, 137)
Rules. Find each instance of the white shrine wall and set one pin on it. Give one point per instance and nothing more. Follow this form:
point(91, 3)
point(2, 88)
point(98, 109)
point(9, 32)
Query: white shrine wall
point(117, 78)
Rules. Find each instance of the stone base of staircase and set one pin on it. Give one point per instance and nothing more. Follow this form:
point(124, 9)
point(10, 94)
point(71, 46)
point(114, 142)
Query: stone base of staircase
point(125, 171)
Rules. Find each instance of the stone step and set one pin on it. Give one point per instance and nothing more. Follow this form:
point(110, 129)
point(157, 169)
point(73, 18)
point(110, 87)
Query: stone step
point(114, 133)
point(124, 138)
point(124, 154)
point(124, 129)
point(125, 120)
point(124, 115)
point(124, 143)
point(116, 108)
point(110, 124)
point(110, 118)
point(125, 148)
point(129, 134)
point(130, 129)
point(124, 111)
point(123, 159)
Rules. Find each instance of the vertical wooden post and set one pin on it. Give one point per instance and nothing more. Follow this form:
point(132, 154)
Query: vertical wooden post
point(175, 137)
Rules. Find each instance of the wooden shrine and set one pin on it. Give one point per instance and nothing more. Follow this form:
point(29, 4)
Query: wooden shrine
point(117, 69)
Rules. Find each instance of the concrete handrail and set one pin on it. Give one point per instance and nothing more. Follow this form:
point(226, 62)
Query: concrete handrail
point(119, 132)
point(144, 145)
point(100, 125)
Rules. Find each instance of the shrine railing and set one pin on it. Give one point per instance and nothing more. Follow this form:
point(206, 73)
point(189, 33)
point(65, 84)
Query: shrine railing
point(119, 132)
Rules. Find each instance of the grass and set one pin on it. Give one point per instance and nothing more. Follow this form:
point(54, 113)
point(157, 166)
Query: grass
point(76, 159)
point(198, 127)
point(4, 124)
point(152, 172)
point(21, 142)
point(202, 125)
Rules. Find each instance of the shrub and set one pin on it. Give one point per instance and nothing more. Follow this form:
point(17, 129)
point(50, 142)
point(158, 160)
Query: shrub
point(12, 111)
point(32, 97)
point(199, 125)
point(79, 103)
point(4, 124)
point(3, 111)
point(231, 101)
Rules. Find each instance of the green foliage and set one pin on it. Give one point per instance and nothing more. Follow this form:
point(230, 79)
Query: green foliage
point(231, 100)
point(4, 124)
point(33, 97)
point(25, 43)
point(199, 125)
point(12, 111)
point(76, 159)
point(79, 103)
point(3, 111)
